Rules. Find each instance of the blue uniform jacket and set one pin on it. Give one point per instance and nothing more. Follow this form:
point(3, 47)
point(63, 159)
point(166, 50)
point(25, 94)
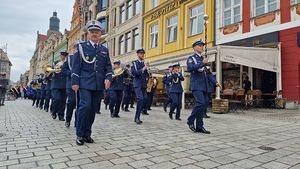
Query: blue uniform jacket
point(175, 80)
point(66, 70)
point(140, 77)
point(58, 80)
point(166, 81)
point(91, 75)
point(199, 77)
point(118, 82)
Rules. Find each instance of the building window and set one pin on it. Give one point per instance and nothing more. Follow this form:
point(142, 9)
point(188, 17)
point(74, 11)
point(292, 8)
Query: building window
point(172, 28)
point(136, 39)
point(121, 45)
point(102, 5)
point(122, 14)
point(128, 42)
point(196, 20)
point(129, 12)
point(136, 7)
point(154, 36)
point(154, 3)
point(264, 6)
point(104, 23)
point(104, 44)
point(114, 47)
point(232, 12)
point(295, 2)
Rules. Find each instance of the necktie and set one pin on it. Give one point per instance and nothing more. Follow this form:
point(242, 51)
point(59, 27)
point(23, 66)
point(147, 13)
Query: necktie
point(96, 46)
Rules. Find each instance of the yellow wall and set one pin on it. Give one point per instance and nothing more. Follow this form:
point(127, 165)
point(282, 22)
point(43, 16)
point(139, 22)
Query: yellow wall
point(184, 42)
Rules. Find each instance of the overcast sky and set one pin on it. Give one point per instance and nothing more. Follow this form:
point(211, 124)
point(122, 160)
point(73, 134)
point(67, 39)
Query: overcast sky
point(20, 20)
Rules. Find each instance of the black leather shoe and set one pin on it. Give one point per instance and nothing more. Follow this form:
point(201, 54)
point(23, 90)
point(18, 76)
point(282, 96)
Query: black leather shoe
point(138, 122)
point(67, 124)
point(61, 119)
point(207, 117)
point(150, 109)
point(116, 116)
point(88, 139)
point(79, 141)
point(126, 110)
point(98, 112)
point(203, 131)
point(132, 107)
point(171, 115)
point(191, 126)
point(145, 113)
point(178, 118)
point(165, 108)
point(54, 116)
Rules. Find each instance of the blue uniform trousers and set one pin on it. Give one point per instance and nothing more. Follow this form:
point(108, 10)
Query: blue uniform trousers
point(59, 97)
point(126, 98)
point(33, 97)
point(141, 96)
point(115, 101)
point(47, 100)
point(199, 109)
point(42, 99)
point(71, 104)
point(88, 103)
point(38, 97)
point(169, 99)
point(176, 103)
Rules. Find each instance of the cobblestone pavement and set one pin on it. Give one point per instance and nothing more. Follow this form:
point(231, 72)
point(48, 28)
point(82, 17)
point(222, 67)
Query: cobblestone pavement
point(259, 139)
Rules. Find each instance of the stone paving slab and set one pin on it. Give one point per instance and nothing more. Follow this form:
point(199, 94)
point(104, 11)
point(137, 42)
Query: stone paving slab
point(32, 139)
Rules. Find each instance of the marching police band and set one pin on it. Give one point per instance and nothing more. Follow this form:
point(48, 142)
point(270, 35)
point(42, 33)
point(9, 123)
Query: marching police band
point(79, 81)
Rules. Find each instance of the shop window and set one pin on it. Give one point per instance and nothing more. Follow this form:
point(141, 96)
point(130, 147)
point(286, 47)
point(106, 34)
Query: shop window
point(231, 12)
point(196, 20)
point(264, 6)
point(154, 36)
point(172, 28)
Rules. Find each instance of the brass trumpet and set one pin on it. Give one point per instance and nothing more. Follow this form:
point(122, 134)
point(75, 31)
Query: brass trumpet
point(118, 72)
point(48, 69)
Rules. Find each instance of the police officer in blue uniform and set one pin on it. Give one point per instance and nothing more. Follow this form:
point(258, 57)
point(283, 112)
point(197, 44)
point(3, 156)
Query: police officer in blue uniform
point(167, 87)
point(91, 73)
point(127, 90)
point(58, 87)
point(116, 89)
point(4, 82)
point(72, 97)
point(176, 91)
point(196, 65)
point(43, 91)
point(48, 94)
point(38, 90)
point(140, 73)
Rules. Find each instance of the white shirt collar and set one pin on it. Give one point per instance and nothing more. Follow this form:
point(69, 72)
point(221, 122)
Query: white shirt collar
point(198, 54)
point(93, 44)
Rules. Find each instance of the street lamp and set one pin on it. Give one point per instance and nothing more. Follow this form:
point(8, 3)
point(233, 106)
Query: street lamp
point(205, 17)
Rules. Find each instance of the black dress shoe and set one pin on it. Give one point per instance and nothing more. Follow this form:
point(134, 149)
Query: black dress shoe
point(165, 108)
point(61, 119)
point(138, 122)
point(54, 116)
point(132, 107)
point(126, 110)
point(98, 112)
point(150, 109)
point(88, 139)
point(171, 115)
point(178, 118)
point(207, 117)
point(191, 126)
point(79, 141)
point(202, 131)
point(116, 116)
point(145, 113)
point(67, 124)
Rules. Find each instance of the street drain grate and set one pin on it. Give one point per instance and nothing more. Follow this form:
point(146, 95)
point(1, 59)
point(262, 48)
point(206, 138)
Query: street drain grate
point(2, 134)
point(266, 148)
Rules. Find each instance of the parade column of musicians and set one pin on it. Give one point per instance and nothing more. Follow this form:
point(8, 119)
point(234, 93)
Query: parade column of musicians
point(89, 72)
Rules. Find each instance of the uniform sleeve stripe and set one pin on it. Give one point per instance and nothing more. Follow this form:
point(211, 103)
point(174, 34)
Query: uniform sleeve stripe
point(75, 74)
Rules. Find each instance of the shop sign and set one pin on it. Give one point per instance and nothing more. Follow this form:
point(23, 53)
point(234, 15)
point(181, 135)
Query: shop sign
point(167, 9)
